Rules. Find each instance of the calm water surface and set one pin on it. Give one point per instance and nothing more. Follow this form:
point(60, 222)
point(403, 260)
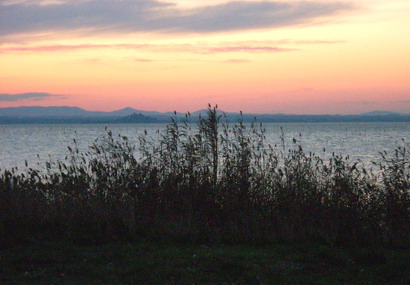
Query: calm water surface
point(39, 143)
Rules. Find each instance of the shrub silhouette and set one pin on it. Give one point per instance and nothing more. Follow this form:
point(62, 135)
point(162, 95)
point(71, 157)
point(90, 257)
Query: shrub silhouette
point(207, 182)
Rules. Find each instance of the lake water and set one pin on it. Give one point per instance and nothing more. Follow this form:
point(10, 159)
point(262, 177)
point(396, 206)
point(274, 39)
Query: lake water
point(39, 143)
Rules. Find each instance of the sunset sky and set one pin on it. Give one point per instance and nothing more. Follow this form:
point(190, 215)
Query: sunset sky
point(301, 57)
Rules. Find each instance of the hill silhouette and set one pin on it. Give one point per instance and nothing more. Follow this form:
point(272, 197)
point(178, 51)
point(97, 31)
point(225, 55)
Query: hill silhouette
point(66, 114)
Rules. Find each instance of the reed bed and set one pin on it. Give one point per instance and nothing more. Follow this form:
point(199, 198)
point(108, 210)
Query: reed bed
point(208, 182)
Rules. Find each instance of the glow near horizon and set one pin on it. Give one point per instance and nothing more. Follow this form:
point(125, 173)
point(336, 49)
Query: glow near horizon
point(350, 61)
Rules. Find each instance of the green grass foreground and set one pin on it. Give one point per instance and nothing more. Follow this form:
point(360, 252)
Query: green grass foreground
point(152, 263)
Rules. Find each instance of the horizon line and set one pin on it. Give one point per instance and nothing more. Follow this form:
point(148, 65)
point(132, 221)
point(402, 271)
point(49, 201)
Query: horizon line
point(204, 109)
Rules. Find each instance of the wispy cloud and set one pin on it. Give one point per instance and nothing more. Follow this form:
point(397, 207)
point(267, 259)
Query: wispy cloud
point(247, 49)
point(143, 60)
point(237, 60)
point(201, 48)
point(307, 42)
point(35, 96)
point(125, 16)
point(61, 48)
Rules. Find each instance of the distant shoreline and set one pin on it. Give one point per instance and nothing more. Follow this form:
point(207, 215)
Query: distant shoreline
point(138, 118)
point(75, 115)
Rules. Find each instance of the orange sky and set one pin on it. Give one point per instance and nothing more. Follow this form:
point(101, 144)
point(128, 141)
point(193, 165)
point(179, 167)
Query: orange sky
point(310, 57)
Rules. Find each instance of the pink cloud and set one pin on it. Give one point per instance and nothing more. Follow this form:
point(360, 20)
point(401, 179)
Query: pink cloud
point(247, 49)
point(237, 60)
point(199, 49)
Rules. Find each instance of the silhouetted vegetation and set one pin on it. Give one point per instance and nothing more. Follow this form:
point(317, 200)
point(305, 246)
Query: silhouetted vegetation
point(208, 182)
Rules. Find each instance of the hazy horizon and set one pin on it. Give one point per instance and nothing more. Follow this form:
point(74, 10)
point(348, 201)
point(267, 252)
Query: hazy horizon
point(204, 109)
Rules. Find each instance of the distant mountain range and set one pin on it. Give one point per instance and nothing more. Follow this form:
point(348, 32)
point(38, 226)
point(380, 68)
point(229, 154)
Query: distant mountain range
point(68, 112)
point(57, 115)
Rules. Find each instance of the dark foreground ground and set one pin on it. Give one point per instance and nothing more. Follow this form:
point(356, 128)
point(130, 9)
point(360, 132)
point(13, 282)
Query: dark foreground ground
point(149, 263)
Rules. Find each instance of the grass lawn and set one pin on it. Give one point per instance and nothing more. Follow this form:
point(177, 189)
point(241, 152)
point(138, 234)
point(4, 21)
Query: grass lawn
point(153, 263)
